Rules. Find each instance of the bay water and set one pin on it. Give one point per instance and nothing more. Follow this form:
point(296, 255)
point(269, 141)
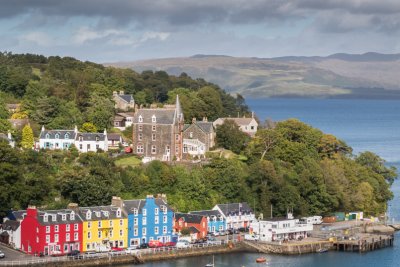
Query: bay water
point(372, 125)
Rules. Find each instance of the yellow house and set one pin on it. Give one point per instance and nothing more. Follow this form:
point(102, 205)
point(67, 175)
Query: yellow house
point(104, 227)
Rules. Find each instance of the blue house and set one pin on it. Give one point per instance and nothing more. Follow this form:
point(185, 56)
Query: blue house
point(149, 219)
point(216, 221)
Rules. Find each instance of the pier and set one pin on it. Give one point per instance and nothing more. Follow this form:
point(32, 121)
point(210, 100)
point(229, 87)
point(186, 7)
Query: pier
point(365, 243)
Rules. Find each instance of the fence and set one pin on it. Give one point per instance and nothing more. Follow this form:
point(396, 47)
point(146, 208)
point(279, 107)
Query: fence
point(109, 255)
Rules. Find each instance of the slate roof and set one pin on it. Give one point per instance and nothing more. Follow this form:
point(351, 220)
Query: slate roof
point(163, 116)
point(189, 218)
point(10, 225)
point(114, 136)
point(126, 114)
point(16, 215)
point(91, 136)
point(100, 213)
point(193, 230)
point(61, 133)
point(130, 205)
point(232, 209)
point(207, 213)
point(58, 217)
point(240, 121)
point(126, 98)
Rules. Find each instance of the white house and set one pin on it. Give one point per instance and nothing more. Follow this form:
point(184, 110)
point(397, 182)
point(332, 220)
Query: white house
point(91, 142)
point(236, 215)
point(279, 229)
point(63, 139)
point(10, 233)
point(246, 125)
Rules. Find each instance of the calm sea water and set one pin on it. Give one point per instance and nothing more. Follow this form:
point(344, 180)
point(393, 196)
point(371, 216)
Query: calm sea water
point(364, 125)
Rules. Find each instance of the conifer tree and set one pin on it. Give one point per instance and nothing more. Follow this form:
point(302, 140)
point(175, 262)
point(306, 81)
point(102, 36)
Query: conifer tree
point(27, 137)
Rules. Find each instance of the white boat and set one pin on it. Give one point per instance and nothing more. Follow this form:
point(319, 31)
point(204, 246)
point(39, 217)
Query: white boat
point(211, 264)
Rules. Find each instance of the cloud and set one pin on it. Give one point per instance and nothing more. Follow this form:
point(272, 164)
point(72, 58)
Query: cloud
point(38, 38)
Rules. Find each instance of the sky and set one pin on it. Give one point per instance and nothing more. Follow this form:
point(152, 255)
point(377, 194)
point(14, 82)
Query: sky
point(127, 30)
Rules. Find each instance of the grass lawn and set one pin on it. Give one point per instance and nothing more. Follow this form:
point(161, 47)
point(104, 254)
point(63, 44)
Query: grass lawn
point(128, 161)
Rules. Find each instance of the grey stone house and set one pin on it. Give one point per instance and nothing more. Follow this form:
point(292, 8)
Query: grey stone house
point(122, 101)
point(157, 132)
point(198, 138)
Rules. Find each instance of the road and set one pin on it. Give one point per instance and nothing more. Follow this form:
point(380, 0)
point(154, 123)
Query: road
point(12, 254)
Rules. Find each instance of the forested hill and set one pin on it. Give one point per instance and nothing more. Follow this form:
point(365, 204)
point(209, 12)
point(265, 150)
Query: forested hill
point(62, 92)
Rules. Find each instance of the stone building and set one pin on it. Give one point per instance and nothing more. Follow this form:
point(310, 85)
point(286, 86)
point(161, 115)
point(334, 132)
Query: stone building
point(122, 101)
point(198, 138)
point(157, 132)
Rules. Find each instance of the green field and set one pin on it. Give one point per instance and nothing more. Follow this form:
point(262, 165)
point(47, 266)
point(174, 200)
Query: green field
point(129, 161)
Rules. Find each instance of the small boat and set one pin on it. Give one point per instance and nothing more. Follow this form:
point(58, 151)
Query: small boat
point(210, 264)
point(261, 260)
point(322, 250)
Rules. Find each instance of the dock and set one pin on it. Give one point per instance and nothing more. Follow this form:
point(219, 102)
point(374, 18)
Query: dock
point(367, 242)
point(289, 248)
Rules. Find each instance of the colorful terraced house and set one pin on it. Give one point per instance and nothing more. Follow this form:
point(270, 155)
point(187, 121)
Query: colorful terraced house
point(104, 228)
point(215, 221)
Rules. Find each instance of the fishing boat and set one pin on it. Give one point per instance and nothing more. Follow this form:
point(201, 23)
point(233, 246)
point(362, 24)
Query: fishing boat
point(261, 260)
point(322, 250)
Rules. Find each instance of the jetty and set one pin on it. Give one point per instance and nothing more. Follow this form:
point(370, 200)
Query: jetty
point(367, 242)
point(288, 248)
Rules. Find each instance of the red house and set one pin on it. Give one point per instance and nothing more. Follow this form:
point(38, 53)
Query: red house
point(51, 232)
point(197, 224)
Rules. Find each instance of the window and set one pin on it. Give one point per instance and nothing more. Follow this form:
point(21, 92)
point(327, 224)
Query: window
point(165, 219)
point(153, 137)
point(153, 150)
point(67, 237)
point(111, 223)
point(156, 219)
point(144, 220)
point(135, 212)
point(144, 231)
point(191, 135)
point(185, 148)
point(156, 230)
point(140, 127)
point(139, 150)
point(156, 211)
point(37, 229)
point(176, 149)
point(65, 247)
point(153, 128)
point(89, 235)
point(121, 233)
point(140, 137)
point(99, 224)
point(153, 118)
point(252, 127)
point(47, 238)
point(177, 137)
point(99, 234)
point(47, 229)
point(80, 146)
point(110, 233)
point(89, 224)
point(164, 229)
point(97, 147)
point(57, 136)
point(97, 138)
point(118, 213)
point(47, 136)
point(88, 146)
point(144, 211)
point(135, 221)
point(140, 118)
point(88, 215)
point(72, 216)
point(54, 218)
point(56, 238)
point(56, 228)
point(63, 217)
point(67, 227)
point(66, 136)
point(135, 232)
point(121, 222)
point(76, 226)
point(80, 138)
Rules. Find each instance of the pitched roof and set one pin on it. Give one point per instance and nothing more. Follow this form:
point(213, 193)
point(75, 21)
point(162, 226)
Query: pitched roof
point(163, 116)
point(126, 98)
point(118, 118)
point(114, 136)
point(10, 225)
point(55, 217)
point(208, 213)
point(240, 121)
point(16, 215)
point(193, 230)
point(62, 134)
point(131, 205)
point(234, 208)
point(101, 213)
point(126, 114)
point(189, 218)
point(91, 136)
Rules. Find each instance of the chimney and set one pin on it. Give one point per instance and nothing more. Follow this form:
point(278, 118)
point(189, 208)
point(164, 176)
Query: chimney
point(9, 135)
point(105, 132)
point(43, 129)
point(149, 196)
point(31, 211)
point(252, 114)
point(162, 196)
point(205, 119)
point(115, 93)
point(193, 120)
point(121, 92)
point(76, 129)
point(117, 201)
point(73, 206)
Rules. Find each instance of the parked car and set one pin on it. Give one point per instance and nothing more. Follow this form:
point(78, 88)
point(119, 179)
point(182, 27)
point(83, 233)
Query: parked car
point(90, 254)
point(182, 244)
point(131, 250)
point(155, 244)
point(117, 249)
point(213, 240)
point(170, 244)
point(144, 245)
point(56, 253)
point(2, 255)
point(73, 253)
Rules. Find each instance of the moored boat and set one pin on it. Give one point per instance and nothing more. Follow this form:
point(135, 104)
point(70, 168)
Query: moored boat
point(261, 260)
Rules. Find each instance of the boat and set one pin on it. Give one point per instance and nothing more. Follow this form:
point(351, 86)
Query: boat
point(322, 250)
point(261, 260)
point(210, 264)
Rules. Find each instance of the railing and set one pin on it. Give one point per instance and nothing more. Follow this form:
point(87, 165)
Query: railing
point(109, 255)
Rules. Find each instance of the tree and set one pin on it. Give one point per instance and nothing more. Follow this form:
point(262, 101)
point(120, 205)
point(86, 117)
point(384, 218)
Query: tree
point(100, 111)
point(27, 137)
point(377, 164)
point(88, 127)
point(229, 136)
point(5, 126)
point(3, 111)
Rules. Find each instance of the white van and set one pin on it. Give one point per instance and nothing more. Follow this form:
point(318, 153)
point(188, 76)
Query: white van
point(311, 220)
point(182, 244)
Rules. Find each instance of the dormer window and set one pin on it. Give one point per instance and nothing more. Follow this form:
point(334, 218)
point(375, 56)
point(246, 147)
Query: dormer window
point(118, 213)
point(98, 213)
point(106, 213)
point(153, 118)
point(57, 136)
point(45, 218)
point(66, 136)
point(135, 212)
point(64, 217)
point(47, 136)
point(88, 215)
point(72, 216)
point(81, 138)
point(97, 139)
point(140, 118)
point(54, 217)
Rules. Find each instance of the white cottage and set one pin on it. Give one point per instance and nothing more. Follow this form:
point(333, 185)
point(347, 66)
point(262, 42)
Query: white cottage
point(246, 125)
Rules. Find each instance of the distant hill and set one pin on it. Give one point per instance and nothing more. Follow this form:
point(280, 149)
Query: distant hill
point(369, 75)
